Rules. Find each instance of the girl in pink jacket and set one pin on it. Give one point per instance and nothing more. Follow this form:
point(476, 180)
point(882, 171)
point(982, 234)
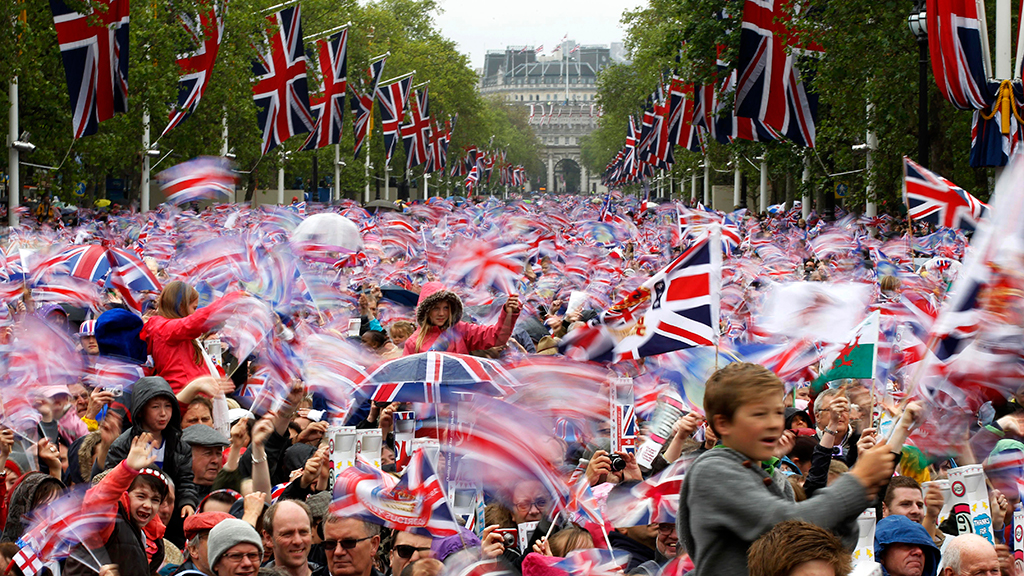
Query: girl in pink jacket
point(438, 316)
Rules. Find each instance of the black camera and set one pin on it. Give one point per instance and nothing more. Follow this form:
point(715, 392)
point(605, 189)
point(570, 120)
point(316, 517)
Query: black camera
point(618, 463)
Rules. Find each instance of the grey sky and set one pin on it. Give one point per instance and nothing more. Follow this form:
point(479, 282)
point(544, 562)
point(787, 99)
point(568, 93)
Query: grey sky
point(482, 25)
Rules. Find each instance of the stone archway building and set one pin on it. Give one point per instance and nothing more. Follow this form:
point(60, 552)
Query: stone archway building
point(558, 89)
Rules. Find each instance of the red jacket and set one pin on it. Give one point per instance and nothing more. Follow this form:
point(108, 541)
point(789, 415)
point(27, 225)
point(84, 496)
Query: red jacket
point(170, 343)
point(111, 492)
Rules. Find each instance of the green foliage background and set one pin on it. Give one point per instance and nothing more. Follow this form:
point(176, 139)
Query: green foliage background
point(405, 28)
point(871, 57)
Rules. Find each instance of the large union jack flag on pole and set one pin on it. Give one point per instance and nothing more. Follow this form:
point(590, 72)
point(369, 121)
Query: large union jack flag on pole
point(281, 94)
point(197, 66)
point(329, 106)
point(362, 104)
point(95, 61)
point(416, 136)
point(932, 198)
point(393, 98)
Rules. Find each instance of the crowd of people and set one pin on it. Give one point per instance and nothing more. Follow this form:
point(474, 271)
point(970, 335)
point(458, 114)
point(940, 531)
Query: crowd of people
point(196, 424)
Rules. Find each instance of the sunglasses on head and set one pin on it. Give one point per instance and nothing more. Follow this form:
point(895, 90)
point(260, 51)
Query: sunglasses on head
point(405, 551)
point(347, 543)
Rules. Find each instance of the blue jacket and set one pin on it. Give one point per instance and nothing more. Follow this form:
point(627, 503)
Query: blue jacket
point(897, 529)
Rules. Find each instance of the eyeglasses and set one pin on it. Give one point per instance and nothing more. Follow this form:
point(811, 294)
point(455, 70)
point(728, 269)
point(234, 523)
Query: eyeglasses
point(253, 557)
point(525, 505)
point(347, 543)
point(405, 551)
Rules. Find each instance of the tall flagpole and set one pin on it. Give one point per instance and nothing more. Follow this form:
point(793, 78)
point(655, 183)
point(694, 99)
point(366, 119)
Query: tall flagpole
point(337, 172)
point(14, 174)
point(144, 201)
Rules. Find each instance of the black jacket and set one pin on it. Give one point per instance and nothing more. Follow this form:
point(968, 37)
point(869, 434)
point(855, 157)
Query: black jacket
point(177, 454)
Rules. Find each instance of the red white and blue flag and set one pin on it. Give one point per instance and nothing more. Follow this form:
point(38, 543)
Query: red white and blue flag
point(202, 178)
point(932, 198)
point(362, 103)
point(655, 500)
point(393, 98)
point(329, 105)
point(416, 136)
point(206, 31)
point(94, 48)
point(594, 562)
point(683, 306)
point(415, 503)
point(281, 94)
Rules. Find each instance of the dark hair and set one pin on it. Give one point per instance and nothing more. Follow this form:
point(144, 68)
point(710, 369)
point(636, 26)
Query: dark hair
point(895, 483)
point(151, 482)
point(201, 400)
point(376, 338)
point(218, 496)
point(792, 543)
point(735, 385)
point(45, 491)
point(803, 449)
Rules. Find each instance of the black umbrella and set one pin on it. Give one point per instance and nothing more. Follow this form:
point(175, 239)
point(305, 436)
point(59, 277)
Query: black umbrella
point(399, 295)
point(381, 205)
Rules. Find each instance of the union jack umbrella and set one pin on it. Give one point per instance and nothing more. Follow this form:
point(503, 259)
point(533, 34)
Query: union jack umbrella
point(197, 66)
point(93, 262)
point(94, 48)
point(329, 106)
point(435, 377)
point(280, 94)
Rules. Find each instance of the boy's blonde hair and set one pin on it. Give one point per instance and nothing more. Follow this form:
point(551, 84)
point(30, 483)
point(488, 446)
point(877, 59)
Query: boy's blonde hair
point(735, 385)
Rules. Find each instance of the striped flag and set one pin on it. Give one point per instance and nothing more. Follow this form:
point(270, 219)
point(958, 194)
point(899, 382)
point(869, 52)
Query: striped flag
point(415, 503)
point(932, 198)
point(202, 178)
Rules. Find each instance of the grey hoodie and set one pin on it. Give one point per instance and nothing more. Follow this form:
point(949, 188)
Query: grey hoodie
point(727, 502)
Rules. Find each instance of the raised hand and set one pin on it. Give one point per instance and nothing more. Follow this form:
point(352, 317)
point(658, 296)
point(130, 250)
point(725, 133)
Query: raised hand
point(141, 455)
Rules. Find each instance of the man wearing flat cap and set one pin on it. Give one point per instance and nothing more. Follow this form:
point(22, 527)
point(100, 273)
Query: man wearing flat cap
point(207, 456)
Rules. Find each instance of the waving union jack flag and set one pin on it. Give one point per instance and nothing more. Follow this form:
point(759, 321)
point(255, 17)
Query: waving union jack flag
point(362, 104)
point(329, 107)
point(393, 98)
point(281, 94)
point(197, 66)
point(934, 199)
point(416, 136)
point(95, 61)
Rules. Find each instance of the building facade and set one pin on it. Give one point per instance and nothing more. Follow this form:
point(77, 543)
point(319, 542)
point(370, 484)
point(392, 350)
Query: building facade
point(559, 89)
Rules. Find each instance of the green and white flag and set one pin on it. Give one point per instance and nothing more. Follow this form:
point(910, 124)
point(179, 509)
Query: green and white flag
point(857, 358)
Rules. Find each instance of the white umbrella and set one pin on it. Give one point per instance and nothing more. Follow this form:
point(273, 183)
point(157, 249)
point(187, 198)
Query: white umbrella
point(329, 229)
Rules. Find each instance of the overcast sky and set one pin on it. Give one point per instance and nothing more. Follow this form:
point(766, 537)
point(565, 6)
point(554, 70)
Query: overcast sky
point(478, 26)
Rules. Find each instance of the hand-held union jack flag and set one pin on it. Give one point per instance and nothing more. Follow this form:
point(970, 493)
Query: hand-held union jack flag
point(95, 61)
point(206, 177)
point(329, 107)
point(281, 94)
point(416, 503)
point(934, 199)
point(197, 66)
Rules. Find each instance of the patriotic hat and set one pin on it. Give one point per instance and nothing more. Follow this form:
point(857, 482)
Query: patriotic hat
point(88, 328)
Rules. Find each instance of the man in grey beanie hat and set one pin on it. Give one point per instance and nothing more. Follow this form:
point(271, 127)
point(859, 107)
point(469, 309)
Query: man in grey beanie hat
point(234, 548)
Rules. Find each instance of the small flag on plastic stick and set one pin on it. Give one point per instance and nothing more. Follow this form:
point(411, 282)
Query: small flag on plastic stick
point(202, 178)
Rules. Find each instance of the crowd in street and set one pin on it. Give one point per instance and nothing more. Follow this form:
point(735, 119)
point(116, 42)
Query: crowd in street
point(192, 429)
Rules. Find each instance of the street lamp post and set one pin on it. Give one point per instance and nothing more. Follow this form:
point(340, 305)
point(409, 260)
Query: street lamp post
point(919, 26)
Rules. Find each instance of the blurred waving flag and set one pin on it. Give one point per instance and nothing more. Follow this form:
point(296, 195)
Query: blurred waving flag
point(932, 198)
point(202, 178)
point(415, 503)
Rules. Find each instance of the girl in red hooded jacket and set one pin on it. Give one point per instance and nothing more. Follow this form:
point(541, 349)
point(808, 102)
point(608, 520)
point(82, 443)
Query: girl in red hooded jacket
point(172, 334)
point(439, 315)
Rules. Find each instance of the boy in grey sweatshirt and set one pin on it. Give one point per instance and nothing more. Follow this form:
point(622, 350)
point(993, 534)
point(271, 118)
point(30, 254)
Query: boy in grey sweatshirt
point(728, 499)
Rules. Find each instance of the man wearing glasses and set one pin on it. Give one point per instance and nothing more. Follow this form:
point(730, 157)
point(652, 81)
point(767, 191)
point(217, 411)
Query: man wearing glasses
point(408, 548)
point(529, 502)
point(350, 546)
point(234, 548)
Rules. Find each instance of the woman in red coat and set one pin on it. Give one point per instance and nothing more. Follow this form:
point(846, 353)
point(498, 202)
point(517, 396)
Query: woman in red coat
point(439, 316)
point(172, 334)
